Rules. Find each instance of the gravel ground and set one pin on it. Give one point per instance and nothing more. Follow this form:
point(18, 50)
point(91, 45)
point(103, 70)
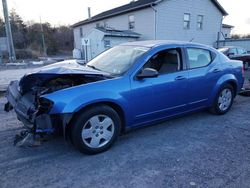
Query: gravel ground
point(198, 150)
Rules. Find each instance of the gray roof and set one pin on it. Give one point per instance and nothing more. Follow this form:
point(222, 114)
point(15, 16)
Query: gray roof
point(132, 6)
point(118, 33)
point(227, 26)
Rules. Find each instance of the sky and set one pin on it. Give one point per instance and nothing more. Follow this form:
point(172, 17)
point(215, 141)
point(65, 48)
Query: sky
point(61, 12)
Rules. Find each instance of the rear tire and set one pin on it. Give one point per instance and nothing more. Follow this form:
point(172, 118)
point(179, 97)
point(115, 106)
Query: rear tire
point(223, 101)
point(95, 129)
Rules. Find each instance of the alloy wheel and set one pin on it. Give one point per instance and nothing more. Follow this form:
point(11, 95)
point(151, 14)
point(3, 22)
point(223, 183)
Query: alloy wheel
point(225, 99)
point(98, 131)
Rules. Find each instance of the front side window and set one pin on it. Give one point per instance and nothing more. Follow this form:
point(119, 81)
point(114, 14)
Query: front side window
point(200, 22)
point(166, 61)
point(131, 22)
point(186, 21)
point(232, 51)
point(117, 60)
point(198, 57)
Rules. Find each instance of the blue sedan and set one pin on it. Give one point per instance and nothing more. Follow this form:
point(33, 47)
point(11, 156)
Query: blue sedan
point(130, 85)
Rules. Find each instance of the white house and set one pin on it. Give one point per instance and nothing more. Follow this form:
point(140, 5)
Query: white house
point(226, 30)
point(100, 39)
point(187, 20)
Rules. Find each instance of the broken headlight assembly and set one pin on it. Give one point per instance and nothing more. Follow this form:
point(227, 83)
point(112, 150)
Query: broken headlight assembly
point(44, 105)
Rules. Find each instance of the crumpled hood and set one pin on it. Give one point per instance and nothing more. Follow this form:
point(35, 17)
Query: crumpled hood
point(67, 67)
point(61, 69)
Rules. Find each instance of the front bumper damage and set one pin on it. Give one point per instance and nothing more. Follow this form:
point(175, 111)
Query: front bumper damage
point(34, 116)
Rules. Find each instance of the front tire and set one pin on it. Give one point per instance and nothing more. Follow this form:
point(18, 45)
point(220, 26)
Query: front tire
point(224, 100)
point(95, 129)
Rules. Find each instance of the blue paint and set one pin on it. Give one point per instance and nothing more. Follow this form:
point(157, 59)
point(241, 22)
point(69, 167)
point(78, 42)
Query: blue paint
point(152, 99)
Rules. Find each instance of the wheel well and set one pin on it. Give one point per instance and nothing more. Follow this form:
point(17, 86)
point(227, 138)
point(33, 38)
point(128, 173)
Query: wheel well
point(115, 106)
point(234, 85)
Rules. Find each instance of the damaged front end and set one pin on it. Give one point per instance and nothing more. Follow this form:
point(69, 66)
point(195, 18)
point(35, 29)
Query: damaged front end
point(33, 110)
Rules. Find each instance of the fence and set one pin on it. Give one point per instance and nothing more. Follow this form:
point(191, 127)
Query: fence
point(245, 43)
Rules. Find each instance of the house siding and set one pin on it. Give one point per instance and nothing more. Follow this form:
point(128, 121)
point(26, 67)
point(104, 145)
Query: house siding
point(170, 21)
point(97, 38)
point(144, 25)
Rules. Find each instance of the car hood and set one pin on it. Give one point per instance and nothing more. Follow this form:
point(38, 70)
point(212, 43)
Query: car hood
point(68, 67)
point(64, 70)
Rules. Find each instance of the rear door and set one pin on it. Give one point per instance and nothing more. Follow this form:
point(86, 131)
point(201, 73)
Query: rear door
point(204, 72)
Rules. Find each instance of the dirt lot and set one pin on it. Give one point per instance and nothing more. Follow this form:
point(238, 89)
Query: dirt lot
point(198, 150)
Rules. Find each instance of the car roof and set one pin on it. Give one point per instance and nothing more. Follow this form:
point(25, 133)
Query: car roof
point(154, 43)
point(231, 47)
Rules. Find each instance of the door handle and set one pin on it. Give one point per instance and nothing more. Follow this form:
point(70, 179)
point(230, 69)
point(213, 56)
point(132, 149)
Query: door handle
point(180, 78)
point(216, 70)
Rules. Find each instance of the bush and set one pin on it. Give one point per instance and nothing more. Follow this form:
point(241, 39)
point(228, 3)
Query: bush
point(5, 55)
point(25, 54)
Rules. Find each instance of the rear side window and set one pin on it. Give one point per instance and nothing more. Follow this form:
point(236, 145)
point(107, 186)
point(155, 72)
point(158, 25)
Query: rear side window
point(242, 51)
point(198, 57)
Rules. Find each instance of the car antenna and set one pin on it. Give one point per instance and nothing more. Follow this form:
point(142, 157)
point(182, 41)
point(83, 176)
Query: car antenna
point(191, 40)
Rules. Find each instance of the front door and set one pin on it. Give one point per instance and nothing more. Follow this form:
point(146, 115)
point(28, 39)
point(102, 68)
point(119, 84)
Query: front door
point(162, 96)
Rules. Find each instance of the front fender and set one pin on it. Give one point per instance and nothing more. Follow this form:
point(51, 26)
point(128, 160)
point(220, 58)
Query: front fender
point(82, 101)
point(227, 78)
point(73, 99)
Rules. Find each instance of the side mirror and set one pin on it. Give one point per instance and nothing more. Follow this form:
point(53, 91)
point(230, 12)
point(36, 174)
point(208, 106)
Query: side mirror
point(148, 73)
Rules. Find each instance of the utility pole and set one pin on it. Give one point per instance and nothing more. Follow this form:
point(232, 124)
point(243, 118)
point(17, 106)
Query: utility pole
point(43, 39)
point(12, 55)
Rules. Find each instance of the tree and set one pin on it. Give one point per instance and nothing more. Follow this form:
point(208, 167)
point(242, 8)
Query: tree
point(64, 38)
point(18, 30)
point(34, 36)
point(235, 36)
point(2, 29)
point(27, 37)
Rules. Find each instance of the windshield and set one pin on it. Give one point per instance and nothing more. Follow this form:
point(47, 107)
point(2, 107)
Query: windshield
point(117, 60)
point(223, 50)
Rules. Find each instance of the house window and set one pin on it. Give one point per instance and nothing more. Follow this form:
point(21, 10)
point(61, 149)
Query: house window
point(98, 25)
point(81, 32)
point(131, 22)
point(105, 24)
point(186, 21)
point(107, 44)
point(200, 22)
